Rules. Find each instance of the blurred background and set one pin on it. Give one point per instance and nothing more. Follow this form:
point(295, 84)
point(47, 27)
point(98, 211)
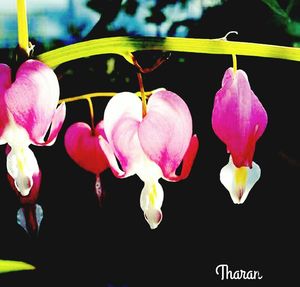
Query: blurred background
point(113, 245)
point(53, 22)
point(69, 20)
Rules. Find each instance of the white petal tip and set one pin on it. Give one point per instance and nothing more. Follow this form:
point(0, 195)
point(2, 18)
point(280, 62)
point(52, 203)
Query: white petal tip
point(153, 217)
point(24, 185)
point(239, 181)
point(237, 201)
point(25, 192)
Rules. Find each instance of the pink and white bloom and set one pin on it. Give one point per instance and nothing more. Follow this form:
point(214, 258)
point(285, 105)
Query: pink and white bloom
point(152, 147)
point(27, 109)
point(82, 145)
point(239, 120)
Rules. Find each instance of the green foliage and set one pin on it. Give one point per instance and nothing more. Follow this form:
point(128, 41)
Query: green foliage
point(286, 16)
point(10, 266)
point(276, 8)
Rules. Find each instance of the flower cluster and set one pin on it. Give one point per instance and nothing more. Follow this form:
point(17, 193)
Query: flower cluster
point(151, 146)
point(152, 142)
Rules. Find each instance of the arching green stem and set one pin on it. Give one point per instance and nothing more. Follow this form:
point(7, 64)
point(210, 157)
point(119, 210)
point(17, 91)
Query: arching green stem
point(124, 45)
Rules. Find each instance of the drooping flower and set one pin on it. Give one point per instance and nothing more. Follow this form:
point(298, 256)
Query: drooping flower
point(82, 145)
point(152, 147)
point(239, 120)
point(28, 107)
point(30, 215)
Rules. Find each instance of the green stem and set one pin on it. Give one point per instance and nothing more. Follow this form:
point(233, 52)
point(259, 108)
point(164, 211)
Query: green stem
point(87, 96)
point(234, 62)
point(124, 45)
point(22, 26)
point(99, 94)
point(91, 114)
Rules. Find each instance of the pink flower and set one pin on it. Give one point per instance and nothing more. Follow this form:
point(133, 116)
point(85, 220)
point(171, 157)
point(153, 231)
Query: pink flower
point(239, 120)
point(152, 147)
point(27, 109)
point(82, 145)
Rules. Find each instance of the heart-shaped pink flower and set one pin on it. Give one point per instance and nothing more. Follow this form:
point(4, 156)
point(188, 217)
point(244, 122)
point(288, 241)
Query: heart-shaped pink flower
point(28, 110)
point(82, 145)
point(152, 146)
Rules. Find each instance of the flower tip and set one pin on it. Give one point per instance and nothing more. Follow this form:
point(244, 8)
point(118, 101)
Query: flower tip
point(153, 217)
point(239, 181)
point(238, 199)
point(25, 192)
point(23, 185)
point(29, 217)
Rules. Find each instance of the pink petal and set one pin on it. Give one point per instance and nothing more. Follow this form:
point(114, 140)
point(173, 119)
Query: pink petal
point(57, 122)
point(84, 148)
point(5, 78)
point(122, 117)
point(238, 117)
point(188, 161)
point(99, 130)
point(5, 83)
point(165, 132)
point(33, 97)
point(112, 160)
point(123, 105)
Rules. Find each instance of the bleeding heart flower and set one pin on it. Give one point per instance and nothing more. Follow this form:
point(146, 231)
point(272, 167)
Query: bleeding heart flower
point(152, 147)
point(30, 215)
point(82, 145)
point(27, 109)
point(239, 120)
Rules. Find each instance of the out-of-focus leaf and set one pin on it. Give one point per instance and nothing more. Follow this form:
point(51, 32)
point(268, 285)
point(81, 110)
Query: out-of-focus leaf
point(293, 28)
point(10, 266)
point(276, 8)
point(287, 17)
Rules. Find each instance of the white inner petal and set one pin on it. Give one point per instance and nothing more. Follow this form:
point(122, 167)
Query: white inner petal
point(22, 165)
point(239, 181)
point(151, 200)
point(15, 135)
point(148, 170)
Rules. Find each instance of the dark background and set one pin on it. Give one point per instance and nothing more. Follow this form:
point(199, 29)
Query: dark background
point(82, 244)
